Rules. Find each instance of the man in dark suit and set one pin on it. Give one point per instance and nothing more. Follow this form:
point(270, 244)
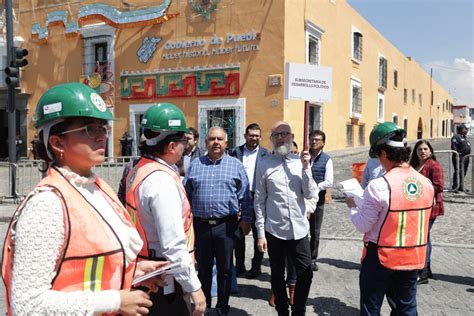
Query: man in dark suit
point(191, 152)
point(250, 154)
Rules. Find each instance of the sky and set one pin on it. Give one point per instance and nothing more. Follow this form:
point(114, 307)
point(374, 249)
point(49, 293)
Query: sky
point(438, 34)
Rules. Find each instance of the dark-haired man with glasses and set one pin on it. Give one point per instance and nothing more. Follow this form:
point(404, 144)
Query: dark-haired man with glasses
point(250, 154)
point(284, 180)
point(323, 174)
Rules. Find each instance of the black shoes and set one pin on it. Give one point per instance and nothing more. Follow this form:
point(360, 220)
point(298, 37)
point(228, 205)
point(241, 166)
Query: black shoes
point(253, 273)
point(421, 280)
point(240, 270)
point(423, 275)
point(314, 266)
point(429, 273)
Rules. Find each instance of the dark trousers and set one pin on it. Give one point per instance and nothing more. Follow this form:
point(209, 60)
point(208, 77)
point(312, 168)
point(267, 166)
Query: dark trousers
point(457, 172)
point(315, 222)
point(299, 250)
point(376, 281)
point(171, 304)
point(240, 252)
point(216, 241)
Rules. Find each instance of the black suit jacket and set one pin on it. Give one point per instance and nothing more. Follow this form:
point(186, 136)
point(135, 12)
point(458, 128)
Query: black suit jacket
point(196, 153)
point(238, 152)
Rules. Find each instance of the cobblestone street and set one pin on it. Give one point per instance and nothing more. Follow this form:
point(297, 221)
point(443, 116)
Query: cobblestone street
point(335, 290)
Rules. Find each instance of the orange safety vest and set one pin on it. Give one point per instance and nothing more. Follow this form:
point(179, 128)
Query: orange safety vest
point(86, 263)
point(135, 177)
point(404, 233)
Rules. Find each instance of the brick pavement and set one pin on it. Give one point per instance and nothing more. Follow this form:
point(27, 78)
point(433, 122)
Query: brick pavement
point(335, 286)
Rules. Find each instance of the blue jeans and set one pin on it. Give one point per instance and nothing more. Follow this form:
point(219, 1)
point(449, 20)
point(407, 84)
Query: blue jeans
point(428, 248)
point(375, 281)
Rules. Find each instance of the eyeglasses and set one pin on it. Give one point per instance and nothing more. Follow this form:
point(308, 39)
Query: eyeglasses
point(92, 131)
point(280, 134)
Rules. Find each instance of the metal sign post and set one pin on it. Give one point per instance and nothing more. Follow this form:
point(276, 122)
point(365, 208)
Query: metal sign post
point(306, 126)
point(11, 108)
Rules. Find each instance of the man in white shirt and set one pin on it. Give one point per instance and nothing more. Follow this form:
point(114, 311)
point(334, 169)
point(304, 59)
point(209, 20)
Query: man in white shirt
point(322, 170)
point(283, 181)
point(250, 153)
point(160, 208)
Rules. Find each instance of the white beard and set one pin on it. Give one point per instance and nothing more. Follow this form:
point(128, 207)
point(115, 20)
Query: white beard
point(284, 149)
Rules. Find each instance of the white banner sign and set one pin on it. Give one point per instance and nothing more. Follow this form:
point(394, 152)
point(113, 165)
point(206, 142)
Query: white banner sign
point(308, 83)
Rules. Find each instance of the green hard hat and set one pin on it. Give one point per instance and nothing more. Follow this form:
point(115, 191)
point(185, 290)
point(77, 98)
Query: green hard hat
point(164, 117)
point(72, 99)
point(382, 133)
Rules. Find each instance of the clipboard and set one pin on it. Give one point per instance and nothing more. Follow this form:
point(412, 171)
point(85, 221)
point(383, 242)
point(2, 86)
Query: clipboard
point(169, 269)
point(352, 188)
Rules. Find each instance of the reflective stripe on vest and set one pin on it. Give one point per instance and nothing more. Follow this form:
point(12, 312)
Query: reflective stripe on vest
point(135, 177)
point(86, 263)
point(93, 273)
point(404, 233)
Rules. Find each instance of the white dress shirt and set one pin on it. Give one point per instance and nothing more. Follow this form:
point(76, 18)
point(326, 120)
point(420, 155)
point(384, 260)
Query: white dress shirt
point(249, 160)
point(160, 213)
point(370, 217)
point(281, 187)
point(187, 160)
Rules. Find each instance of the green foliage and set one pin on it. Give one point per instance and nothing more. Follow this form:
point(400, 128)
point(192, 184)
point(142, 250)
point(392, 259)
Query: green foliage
point(201, 10)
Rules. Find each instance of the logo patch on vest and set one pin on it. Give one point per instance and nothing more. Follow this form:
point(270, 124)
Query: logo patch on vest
point(132, 178)
point(412, 189)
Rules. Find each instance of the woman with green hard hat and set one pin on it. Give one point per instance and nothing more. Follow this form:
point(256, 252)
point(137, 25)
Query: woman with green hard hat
point(393, 216)
point(71, 247)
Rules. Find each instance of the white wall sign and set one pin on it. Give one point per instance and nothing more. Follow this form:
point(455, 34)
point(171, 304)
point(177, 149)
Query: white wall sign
point(308, 82)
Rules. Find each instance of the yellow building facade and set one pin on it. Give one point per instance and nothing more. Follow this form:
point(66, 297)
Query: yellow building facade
point(223, 63)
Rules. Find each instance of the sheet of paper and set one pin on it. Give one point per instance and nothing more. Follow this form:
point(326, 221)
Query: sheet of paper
point(352, 188)
point(170, 269)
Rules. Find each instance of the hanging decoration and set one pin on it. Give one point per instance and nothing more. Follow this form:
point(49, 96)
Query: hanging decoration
point(105, 13)
point(209, 81)
point(101, 80)
point(55, 18)
point(204, 8)
point(127, 19)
